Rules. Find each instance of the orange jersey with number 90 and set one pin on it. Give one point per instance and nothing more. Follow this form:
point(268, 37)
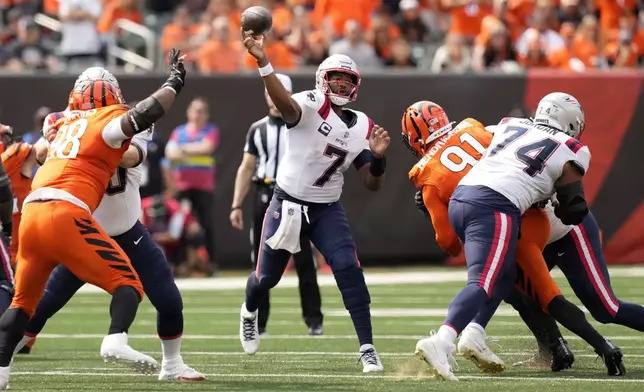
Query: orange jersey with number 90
point(440, 170)
point(79, 161)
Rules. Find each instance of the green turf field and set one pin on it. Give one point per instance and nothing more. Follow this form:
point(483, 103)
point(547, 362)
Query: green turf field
point(65, 358)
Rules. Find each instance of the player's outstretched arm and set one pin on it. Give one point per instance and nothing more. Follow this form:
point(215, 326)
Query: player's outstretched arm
point(289, 109)
point(373, 173)
point(572, 206)
point(153, 108)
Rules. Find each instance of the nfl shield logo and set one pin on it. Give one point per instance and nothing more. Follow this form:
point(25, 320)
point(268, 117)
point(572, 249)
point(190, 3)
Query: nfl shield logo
point(346, 135)
point(291, 212)
point(276, 215)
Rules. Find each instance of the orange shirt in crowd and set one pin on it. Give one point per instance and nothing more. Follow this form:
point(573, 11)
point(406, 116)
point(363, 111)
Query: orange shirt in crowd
point(467, 19)
point(611, 10)
point(518, 16)
point(175, 36)
point(220, 57)
point(112, 12)
point(340, 11)
point(586, 51)
point(280, 55)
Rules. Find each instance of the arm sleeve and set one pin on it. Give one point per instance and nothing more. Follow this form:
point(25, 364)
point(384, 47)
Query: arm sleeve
point(445, 235)
point(250, 146)
point(362, 159)
point(113, 133)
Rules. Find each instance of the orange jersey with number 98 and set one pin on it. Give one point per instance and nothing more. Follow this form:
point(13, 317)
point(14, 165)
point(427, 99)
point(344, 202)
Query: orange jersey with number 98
point(79, 161)
point(440, 170)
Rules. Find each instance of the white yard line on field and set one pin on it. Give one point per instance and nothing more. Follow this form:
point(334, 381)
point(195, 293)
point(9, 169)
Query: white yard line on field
point(375, 278)
point(503, 311)
point(339, 376)
point(305, 337)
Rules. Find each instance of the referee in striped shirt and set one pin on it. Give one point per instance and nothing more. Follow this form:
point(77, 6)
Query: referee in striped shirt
point(265, 145)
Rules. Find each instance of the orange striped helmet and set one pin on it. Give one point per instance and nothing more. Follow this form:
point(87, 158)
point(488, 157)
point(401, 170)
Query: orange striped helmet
point(94, 94)
point(422, 123)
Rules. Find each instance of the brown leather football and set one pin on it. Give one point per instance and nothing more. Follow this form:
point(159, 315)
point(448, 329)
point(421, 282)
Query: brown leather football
point(256, 20)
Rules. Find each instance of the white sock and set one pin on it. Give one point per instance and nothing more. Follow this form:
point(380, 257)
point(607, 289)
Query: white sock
point(477, 327)
point(171, 348)
point(446, 332)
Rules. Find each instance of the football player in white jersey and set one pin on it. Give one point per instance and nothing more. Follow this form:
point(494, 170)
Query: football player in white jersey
point(119, 213)
point(323, 140)
point(527, 162)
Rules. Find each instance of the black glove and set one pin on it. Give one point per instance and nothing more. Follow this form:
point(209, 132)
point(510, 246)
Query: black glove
point(177, 71)
point(420, 203)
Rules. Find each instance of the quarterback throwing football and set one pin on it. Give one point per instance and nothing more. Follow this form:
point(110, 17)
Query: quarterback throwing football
point(323, 140)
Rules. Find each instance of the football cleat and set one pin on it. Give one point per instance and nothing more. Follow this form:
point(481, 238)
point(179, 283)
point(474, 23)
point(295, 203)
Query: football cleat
point(315, 330)
point(248, 331)
point(439, 355)
point(562, 356)
point(115, 349)
point(176, 370)
point(472, 345)
point(370, 359)
point(613, 360)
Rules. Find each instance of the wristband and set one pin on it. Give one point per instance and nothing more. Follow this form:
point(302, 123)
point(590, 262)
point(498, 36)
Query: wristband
point(235, 208)
point(377, 166)
point(266, 70)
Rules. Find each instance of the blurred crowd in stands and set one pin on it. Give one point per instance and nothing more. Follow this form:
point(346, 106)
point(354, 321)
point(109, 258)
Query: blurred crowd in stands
point(431, 35)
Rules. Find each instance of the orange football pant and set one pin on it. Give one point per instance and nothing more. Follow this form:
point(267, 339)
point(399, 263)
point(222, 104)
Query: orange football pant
point(533, 276)
point(59, 232)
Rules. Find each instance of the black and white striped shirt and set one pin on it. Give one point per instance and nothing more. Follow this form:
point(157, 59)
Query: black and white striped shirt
point(266, 140)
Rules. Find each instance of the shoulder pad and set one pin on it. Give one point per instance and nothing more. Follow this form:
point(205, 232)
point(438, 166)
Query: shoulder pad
point(467, 123)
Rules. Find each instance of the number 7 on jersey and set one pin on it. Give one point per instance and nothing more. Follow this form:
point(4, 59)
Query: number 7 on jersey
point(340, 156)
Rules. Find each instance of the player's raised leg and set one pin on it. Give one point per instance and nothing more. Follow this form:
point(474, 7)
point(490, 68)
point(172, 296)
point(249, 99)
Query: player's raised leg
point(489, 231)
point(158, 283)
point(94, 257)
point(61, 287)
point(331, 234)
point(268, 272)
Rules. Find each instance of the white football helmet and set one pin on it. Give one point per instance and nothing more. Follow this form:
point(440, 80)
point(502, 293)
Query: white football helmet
point(563, 112)
point(337, 63)
point(94, 73)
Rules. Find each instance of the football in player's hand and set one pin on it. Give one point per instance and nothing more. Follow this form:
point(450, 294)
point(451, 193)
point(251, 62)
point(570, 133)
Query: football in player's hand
point(256, 20)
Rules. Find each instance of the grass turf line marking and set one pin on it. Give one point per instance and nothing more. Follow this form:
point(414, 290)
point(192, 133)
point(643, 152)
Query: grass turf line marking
point(372, 278)
point(339, 376)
